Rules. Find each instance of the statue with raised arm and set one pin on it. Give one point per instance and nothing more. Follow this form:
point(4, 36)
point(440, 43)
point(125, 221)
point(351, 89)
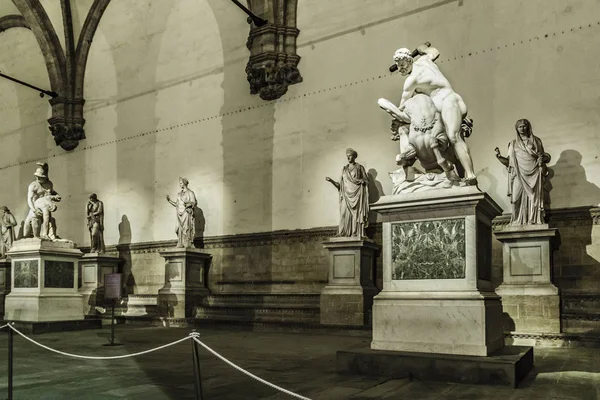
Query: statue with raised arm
point(95, 222)
point(424, 77)
point(41, 199)
point(527, 173)
point(186, 222)
point(354, 198)
point(8, 234)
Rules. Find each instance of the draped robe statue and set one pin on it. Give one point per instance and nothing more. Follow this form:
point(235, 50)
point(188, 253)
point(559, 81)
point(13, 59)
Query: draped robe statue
point(8, 234)
point(95, 218)
point(354, 198)
point(186, 222)
point(527, 172)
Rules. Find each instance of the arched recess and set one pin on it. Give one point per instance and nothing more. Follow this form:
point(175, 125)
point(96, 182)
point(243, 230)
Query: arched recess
point(273, 63)
point(66, 67)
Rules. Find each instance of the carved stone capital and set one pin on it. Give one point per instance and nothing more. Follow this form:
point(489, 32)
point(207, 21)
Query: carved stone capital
point(66, 135)
point(273, 63)
point(271, 79)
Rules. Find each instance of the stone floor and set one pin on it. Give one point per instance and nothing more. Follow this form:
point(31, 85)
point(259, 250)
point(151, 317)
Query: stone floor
point(300, 362)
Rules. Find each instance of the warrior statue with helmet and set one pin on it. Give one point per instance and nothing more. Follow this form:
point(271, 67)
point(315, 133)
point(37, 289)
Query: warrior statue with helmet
point(41, 199)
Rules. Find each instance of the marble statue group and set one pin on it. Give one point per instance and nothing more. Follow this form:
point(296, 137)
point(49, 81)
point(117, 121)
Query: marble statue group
point(43, 200)
point(431, 125)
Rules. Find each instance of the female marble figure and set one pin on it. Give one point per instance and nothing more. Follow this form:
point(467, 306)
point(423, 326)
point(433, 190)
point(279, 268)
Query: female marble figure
point(354, 198)
point(526, 163)
point(95, 219)
point(8, 234)
point(186, 223)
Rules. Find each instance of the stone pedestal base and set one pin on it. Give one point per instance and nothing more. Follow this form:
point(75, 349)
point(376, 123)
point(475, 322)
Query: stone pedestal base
point(4, 282)
point(506, 367)
point(93, 267)
point(186, 272)
point(530, 301)
point(44, 282)
point(437, 293)
point(438, 322)
point(348, 298)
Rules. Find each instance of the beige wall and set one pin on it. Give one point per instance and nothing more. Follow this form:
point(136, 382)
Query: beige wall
point(164, 80)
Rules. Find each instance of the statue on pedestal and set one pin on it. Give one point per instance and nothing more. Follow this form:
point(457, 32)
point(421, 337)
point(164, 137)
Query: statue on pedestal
point(8, 234)
point(41, 199)
point(95, 223)
point(354, 198)
point(432, 124)
point(186, 222)
point(527, 173)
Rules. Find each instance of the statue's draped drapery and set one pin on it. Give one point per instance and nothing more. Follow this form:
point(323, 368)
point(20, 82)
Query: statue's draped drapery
point(95, 213)
point(8, 233)
point(186, 225)
point(354, 202)
point(526, 180)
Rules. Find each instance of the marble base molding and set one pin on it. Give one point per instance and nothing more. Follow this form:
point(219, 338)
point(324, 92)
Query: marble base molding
point(44, 282)
point(348, 297)
point(92, 268)
point(530, 300)
point(437, 292)
point(186, 272)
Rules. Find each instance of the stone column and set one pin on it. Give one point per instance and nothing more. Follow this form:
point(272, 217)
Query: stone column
point(93, 267)
point(437, 292)
point(348, 297)
point(4, 282)
point(186, 272)
point(530, 301)
point(44, 282)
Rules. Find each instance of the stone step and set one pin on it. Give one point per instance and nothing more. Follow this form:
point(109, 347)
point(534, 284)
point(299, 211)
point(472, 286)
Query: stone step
point(288, 308)
point(581, 322)
point(250, 314)
point(580, 302)
point(262, 300)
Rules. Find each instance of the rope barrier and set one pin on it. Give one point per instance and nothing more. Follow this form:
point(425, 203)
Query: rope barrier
point(193, 335)
point(195, 338)
point(98, 357)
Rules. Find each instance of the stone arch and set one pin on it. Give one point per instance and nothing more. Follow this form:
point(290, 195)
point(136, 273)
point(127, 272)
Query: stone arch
point(85, 41)
point(13, 21)
point(35, 16)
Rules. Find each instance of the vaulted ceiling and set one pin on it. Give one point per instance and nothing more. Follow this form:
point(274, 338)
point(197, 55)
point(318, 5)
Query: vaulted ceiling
point(65, 46)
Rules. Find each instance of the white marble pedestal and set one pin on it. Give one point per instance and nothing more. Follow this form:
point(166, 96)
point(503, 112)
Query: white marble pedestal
point(530, 300)
point(43, 282)
point(4, 282)
point(186, 272)
point(437, 293)
point(93, 267)
point(348, 298)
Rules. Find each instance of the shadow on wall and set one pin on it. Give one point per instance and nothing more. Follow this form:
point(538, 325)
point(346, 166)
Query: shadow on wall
point(375, 192)
point(247, 181)
point(125, 254)
point(569, 181)
point(200, 223)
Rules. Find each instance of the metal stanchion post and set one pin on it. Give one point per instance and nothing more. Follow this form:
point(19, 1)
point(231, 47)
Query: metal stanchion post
point(112, 323)
point(197, 377)
point(10, 363)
